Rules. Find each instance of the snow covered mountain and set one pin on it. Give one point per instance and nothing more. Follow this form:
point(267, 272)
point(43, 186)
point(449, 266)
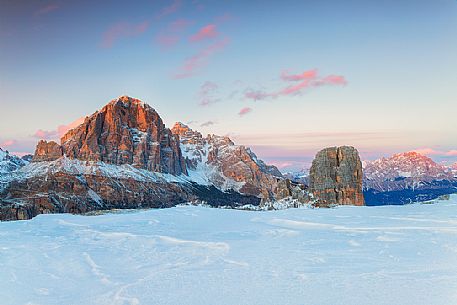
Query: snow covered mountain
point(123, 156)
point(8, 165)
point(405, 176)
point(301, 176)
point(454, 169)
point(218, 161)
point(404, 170)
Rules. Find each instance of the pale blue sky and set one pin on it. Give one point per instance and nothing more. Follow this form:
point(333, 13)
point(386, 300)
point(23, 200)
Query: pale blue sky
point(62, 60)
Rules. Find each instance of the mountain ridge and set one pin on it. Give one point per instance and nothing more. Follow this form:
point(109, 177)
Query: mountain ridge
point(123, 156)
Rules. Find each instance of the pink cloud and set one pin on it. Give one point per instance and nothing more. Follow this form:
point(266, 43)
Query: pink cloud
point(305, 80)
point(256, 95)
point(311, 74)
point(170, 9)
point(206, 93)
point(46, 9)
point(206, 32)
point(122, 30)
point(8, 143)
point(200, 59)
point(19, 153)
point(172, 34)
point(244, 111)
point(433, 152)
point(293, 89)
point(59, 132)
point(331, 80)
point(46, 134)
point(452, 153)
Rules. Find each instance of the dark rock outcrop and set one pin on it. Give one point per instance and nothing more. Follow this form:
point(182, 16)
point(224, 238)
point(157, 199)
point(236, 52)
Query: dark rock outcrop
point(336, 177)
point(64, 192)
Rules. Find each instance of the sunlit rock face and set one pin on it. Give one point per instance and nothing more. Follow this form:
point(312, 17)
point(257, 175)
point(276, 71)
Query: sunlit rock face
point(47, 151)
point(123, 156)
point(336, 177)
point(125, 131)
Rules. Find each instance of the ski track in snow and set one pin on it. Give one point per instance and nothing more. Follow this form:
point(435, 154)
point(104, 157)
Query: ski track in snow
point(196, 255)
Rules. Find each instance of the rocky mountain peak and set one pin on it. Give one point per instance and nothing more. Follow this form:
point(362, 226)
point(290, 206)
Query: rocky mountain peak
point(181, 129)
point(187, 135)
point(9, 163)
point(125, 131)
point(407, 164)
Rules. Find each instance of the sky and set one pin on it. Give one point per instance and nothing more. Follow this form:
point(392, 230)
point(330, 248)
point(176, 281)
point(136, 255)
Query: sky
point(285, 78)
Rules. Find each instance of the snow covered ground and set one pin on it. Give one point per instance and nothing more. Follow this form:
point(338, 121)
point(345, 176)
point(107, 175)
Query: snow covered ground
point(196, 255)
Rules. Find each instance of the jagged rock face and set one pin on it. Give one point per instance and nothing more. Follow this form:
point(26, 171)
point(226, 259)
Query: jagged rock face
point(227, 165)
point(47, 151)
point(126, 131)
point(336, 177)
point(124, 157)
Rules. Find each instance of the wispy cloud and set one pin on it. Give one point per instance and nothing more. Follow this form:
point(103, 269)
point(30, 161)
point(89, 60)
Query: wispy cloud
point(122, 30)
point(435, 152)
point(60, 131)
point(207, 123)
point(311, 74)
point(244, 111)
point(172, 34)
point(207, 32)
point(306, 80)
point(7, 143)
point(174, 6)
point(200, 59)
point(46, 9)
point(207, 92)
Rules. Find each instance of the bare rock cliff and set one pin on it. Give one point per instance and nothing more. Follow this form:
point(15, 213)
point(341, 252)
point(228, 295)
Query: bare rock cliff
point(125, 131)
point(47, 151)
point(336, 177)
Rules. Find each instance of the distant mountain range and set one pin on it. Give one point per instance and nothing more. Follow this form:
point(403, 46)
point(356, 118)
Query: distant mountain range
point(407, 177)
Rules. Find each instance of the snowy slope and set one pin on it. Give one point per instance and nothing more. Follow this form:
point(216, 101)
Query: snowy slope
point(194, 255)
point(9, 164)
point(454, 169)
point(301, 176)
point(217, 160)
